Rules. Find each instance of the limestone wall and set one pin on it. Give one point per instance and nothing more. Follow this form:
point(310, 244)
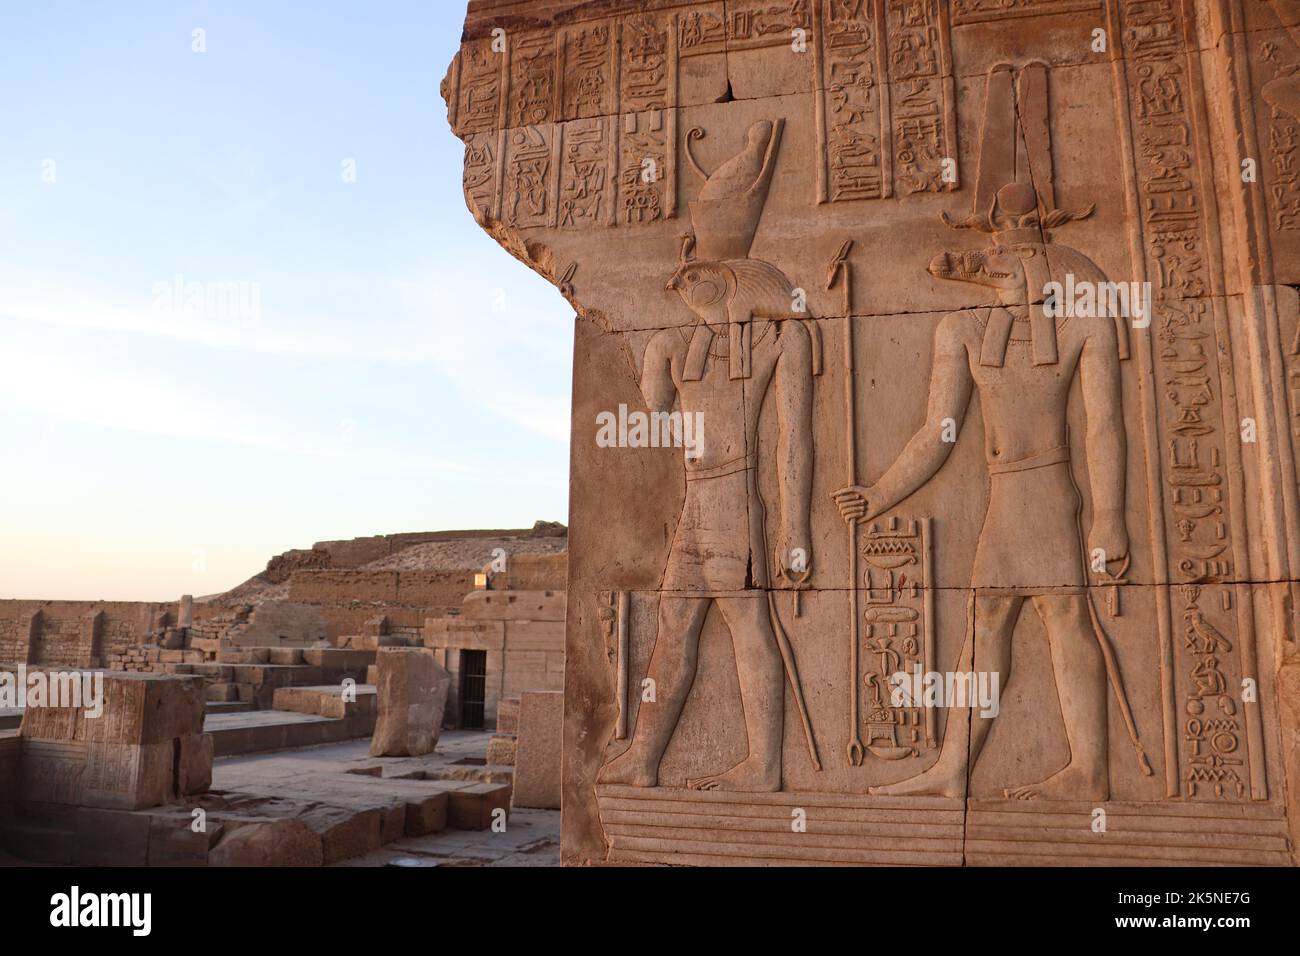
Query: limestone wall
point(837, 238)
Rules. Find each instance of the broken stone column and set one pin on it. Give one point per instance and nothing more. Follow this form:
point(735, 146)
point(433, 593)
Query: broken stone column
point(186, 612)
point(141, 745)
point(412, 690)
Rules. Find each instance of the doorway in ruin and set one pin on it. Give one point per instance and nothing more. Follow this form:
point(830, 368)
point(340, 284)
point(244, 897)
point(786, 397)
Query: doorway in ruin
point(473, 688)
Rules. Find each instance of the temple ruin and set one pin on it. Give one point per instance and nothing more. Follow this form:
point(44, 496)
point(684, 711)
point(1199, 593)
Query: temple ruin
point(933, 436)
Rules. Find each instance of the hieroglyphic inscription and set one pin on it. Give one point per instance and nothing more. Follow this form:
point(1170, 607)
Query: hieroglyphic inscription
point(973, 11)
point(921, 97)
point(762, 23)
point(587, 70)
point(647, 144)
point(702, 29)
point(1282, 139)
point(895, 623)
point(852, 109)
point(586, 177)
point(481, 173)
point(527, 193)
point(532, 80)
point(478, 94)
point(1190, 400)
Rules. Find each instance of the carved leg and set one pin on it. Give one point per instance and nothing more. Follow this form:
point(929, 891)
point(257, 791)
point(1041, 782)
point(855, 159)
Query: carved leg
point(672, 669)
point(762, 694)
point(966, 731)
point(1081, 686)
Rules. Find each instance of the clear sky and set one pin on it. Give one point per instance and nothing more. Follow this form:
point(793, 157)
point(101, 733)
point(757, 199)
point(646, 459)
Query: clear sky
point(242, 305)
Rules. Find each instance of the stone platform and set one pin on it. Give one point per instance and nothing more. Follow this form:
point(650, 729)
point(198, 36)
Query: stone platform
point(690, 827)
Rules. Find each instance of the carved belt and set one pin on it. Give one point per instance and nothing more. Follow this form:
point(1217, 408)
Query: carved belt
point(1055, 456)
point(721, 471)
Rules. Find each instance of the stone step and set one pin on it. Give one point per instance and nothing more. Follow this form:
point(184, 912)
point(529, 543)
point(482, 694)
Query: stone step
point(214, 672)
point(339, 658)
point(244, 655)
point(472, 806)
point(39, 844)
point(229, 706)
point(261, 731)
point(326, 700)
point(221, 692)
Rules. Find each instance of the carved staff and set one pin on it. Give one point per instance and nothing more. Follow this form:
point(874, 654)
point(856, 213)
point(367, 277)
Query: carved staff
point(841, 273)
point(1113, 675)
point(792, 672)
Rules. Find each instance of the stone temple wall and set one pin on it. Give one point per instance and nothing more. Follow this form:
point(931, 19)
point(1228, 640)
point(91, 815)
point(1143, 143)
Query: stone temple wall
point(978, 319)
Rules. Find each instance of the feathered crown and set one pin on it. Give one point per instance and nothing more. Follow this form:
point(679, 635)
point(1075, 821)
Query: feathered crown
point(1014, 194)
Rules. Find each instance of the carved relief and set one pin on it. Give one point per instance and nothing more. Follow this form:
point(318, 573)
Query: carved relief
point(703, 702)
point(974, 11)
point(886, 111)
point(1005, 353)
point(479, 88)
point(587, 68)
point(530, 169)
point(1190, 408)
point(855, 156)
point(921, 100)
point(752, 24)
point(702, 29)
point(897, 635)
point(586, 174)
point(1282, 130)
point(745, 343)
point(481, 170)
point(533, 80)
point(647, 149)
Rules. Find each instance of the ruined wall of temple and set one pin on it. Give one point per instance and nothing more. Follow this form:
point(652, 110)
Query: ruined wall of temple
point(977, 321)
point(66, 633)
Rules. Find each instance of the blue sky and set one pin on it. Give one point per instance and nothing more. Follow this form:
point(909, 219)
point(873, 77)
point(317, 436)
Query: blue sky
point(377, 364)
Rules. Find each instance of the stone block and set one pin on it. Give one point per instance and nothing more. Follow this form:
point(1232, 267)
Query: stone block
point(412, 694)
point(427, 814)
point(537, 758)
point(474, 807)
point(285, 841)
point(111, 838)
point(346, 832)
point(194, 774)
point(501, 750)
point(508, 715)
